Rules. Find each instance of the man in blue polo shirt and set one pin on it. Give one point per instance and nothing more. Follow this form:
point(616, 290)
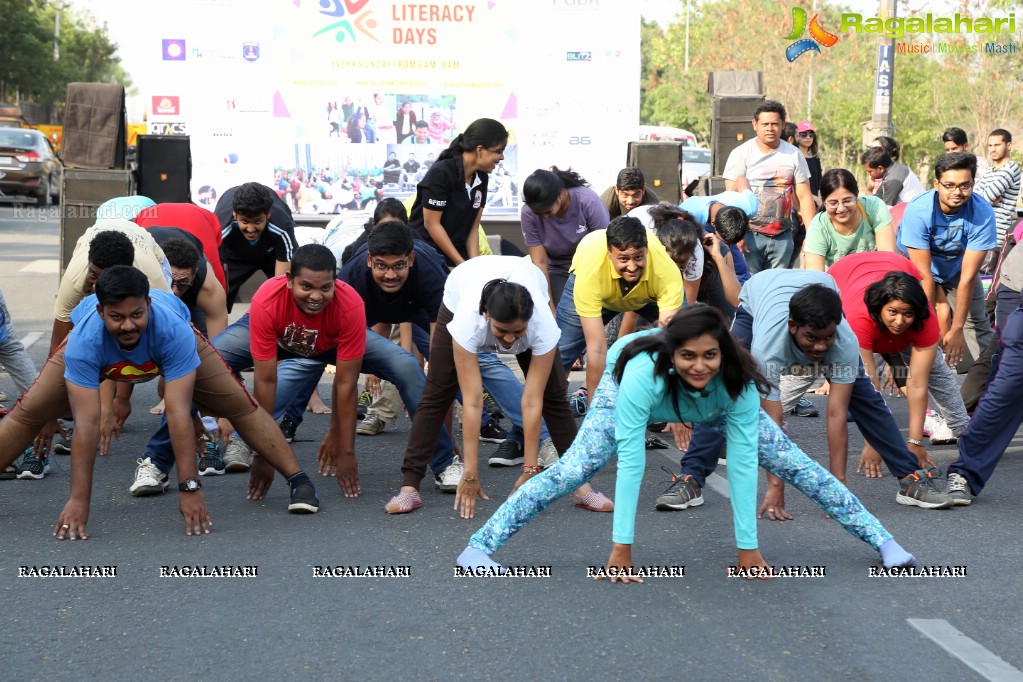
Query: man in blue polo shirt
point(792, 322)
point(128, 334)
point(726, 214)
point(946, 233)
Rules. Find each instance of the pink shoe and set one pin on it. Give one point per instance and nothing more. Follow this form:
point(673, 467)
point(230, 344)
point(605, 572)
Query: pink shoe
point(593, 501)
point(403, 503)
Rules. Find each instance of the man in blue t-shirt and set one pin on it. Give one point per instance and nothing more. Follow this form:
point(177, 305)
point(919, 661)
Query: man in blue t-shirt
point(946, 233)
point(792, 322)
point(127, 334)
point(726, 214)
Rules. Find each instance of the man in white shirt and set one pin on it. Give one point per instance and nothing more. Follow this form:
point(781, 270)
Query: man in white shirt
point(777, 173)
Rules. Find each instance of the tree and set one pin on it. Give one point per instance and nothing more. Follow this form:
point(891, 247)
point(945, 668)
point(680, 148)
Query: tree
point(28, 71)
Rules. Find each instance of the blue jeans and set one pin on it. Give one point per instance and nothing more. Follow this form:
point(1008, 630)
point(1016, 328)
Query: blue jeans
point(998, 413)
point(506, 389)
point(766, 253)
point(297, 378)
point(573, 342)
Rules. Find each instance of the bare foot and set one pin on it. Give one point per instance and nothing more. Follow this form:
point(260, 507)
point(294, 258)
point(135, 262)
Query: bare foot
point(158, 409)
point(316, 405)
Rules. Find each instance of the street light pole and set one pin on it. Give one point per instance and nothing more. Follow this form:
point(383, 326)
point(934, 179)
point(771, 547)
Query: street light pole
point(56, 33)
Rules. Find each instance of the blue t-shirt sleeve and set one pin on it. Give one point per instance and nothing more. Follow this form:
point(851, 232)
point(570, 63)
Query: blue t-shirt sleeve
point(636, 397)
point(914, 232)
point(981, 232)
point(742, 432)
point(83, 357)
point(176, 345)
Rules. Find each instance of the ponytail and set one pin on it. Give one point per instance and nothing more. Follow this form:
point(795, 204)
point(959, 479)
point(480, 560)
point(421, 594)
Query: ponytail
point(506, 301)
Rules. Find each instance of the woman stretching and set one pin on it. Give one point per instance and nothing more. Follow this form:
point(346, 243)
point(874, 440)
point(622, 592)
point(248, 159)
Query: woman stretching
point(692, 370)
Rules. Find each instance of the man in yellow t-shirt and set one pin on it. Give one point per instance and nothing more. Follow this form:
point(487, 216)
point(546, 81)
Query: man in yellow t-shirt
point(614, 271)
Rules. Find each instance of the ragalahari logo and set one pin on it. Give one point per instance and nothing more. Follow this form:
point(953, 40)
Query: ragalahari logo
point(818, 36)
point(358, 18)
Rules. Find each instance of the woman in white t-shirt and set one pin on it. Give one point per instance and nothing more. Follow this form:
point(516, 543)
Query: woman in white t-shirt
point(491, 304)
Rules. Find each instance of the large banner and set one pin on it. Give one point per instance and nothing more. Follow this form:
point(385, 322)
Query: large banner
point(336, 103)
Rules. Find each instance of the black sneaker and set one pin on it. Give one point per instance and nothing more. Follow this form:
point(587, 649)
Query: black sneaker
point(804, 408)
point(32, 466)
point(304, 499)
point(288, 428)
point(508, 454)
point(493, 433)
point(362, 405)
point(210, 463)
point(655, 443)
point(63, 446)
point(492, 407)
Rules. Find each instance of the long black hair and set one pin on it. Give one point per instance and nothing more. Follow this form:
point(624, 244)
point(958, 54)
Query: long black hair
point(484, 132)
point(541, 189)
point(506, 301)
point(897, 286)
point(738, 367)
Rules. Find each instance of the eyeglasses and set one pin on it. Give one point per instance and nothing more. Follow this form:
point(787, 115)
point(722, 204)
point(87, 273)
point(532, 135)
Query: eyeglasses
point(398, 267)
point(964, 188)
point(848, 202)
point(181, 284)
point(808, 133)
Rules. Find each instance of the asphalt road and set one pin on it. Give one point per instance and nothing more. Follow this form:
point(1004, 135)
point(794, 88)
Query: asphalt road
point(287, 624)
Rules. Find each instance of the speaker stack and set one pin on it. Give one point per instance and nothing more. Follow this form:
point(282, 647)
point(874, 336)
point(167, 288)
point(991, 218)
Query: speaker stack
point(93, 152)
point(661, 163)
point(736, 95)
point(165, 168)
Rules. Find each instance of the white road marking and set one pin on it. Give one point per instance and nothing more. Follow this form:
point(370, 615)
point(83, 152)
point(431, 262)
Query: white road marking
point(985, 663)
point(50, 266)
point(30, 338)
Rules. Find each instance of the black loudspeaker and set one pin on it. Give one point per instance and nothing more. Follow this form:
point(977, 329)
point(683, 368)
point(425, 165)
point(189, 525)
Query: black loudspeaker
point(661, 163)
point(165, 168)
point(731, 125)
point(82, 192)
point(709, 185)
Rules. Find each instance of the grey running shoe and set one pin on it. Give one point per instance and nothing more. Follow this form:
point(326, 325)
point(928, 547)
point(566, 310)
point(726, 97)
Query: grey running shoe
point(237, 455)
point(959, 490)
point(684, 492)
point(919, 489)
point(370, 426)
point(548, 455)
point(508, 454)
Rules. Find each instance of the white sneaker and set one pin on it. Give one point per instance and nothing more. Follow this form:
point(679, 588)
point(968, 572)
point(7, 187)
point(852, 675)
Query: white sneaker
point(930, 422)
point(149, 480)
point(941, 434)
point(447, 480)
point(237, 455)
point(548, 455)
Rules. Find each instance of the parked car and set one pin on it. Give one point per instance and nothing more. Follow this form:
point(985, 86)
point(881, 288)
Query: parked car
point(695, 162)
point(28, 165)
point(666, 134)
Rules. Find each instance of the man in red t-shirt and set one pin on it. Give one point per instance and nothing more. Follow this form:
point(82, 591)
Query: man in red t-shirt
point(196, 221)
point(305, 319)
point(887, 309)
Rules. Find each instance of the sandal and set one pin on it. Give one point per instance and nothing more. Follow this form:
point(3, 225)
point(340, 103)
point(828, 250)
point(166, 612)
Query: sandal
point(403, 503)
point(10, 473)
point(593, 501)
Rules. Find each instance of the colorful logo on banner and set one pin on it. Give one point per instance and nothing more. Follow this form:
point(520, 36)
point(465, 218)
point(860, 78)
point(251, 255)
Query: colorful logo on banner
point(818, 36)
point(579, 56)
point(357, 17)
point(165, 105)
point(173, 49)
point(250, 51)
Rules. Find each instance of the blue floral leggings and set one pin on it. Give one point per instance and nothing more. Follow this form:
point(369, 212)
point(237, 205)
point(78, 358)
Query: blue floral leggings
point(595, 445)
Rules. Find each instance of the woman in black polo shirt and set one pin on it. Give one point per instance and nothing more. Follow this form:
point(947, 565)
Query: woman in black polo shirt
point(450, 198)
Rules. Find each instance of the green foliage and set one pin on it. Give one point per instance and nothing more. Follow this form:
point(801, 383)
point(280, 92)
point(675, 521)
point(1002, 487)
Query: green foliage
point(28, 71)
point(977, 92)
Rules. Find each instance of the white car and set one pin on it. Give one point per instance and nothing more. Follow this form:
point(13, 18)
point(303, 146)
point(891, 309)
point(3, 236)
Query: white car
point(695, 162)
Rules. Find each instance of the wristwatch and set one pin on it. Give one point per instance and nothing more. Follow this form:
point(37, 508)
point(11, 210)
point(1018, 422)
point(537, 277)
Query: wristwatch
point(190, 485)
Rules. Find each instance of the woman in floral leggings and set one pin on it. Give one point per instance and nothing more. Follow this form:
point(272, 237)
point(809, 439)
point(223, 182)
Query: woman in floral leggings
point(691, 371)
